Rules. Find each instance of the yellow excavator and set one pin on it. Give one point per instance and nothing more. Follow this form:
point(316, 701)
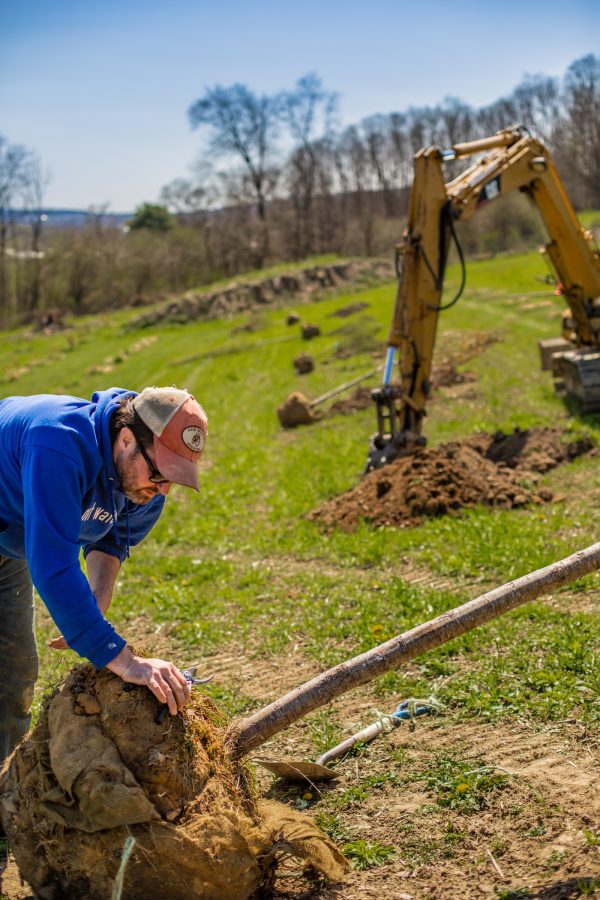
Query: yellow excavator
point(511, 161)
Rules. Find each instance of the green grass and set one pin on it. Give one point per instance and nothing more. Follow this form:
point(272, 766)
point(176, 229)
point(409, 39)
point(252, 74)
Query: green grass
point(367, 854)
point(461, 785)
point(241, 565)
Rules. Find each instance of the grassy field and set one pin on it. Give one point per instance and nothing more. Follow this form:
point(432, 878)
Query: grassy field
point(238, 577)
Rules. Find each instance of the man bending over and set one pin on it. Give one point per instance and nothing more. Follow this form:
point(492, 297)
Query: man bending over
point(91, 474)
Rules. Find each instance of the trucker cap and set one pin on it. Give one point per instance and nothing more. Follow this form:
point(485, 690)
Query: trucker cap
point(180, 426)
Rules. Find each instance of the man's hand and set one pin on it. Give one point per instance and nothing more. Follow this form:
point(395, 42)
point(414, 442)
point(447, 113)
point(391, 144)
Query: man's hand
point(163, 678)
point(58, 643)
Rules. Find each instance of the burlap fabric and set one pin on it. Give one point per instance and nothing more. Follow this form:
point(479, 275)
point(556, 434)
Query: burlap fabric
point(98, 775)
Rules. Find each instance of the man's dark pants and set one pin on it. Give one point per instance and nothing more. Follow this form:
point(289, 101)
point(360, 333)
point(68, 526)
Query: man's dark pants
point(18, 652)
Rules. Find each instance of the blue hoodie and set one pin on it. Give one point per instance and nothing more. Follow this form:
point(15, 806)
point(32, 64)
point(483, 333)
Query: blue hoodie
point(59, 491)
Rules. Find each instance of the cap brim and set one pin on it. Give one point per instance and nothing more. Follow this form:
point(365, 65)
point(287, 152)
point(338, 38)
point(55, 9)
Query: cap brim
point(175, 467)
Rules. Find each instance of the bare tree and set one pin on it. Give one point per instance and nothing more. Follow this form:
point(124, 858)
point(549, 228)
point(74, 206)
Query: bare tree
point(376, 133)
point(306, 110)
point(96, 213)
point(354, 156)
point(497, 115)
point(34, 183)
point(400, 147)
point(13, 158)
point(456, 119)
point(244, 125)
point(580, 134)
point(536, 104)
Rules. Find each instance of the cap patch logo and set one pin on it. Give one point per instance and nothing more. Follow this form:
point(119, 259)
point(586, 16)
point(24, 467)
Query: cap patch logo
point(193, 438)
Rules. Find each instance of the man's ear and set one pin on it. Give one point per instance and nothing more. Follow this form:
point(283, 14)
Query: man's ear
point(125, 438)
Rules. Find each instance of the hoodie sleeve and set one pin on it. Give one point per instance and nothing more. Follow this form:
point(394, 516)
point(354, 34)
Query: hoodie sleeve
point(53, 487)
point(133, 524)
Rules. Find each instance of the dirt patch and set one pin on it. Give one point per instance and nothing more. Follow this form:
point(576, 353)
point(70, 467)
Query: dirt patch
point(532, 450)
point(443, 375)
point(533, 835)
point(252, 325)
point(351, 309)
point(495, 470)
point(360, 398)
point(538, 827)
point(100, 780)
point(456, 349)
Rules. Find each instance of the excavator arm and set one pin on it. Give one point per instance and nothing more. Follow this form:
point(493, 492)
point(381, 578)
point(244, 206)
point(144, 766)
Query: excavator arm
point(512, 161)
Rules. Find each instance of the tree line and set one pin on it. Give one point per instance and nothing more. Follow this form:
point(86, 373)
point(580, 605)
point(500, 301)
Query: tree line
point(280, 180)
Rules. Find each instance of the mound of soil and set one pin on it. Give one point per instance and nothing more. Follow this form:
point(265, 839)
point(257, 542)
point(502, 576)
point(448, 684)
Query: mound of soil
point(100, 794)
point(304, 363)
point(360, 398)
point(296, 410)
point(487, 469)
point(532, 450)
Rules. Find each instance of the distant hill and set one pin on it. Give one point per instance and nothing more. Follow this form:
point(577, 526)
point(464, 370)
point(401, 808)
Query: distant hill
point(72, 218)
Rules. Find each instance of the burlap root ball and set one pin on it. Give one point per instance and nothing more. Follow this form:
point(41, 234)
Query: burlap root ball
point(99, 793)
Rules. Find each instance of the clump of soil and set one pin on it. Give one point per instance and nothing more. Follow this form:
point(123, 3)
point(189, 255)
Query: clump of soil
point(309, 330)
point(495, 470)
point(50, 322)
point(296, 410)
point(98, 777)
point(304, 363)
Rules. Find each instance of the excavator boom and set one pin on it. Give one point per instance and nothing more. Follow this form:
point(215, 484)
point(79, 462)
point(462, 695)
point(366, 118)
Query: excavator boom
point(512, 161)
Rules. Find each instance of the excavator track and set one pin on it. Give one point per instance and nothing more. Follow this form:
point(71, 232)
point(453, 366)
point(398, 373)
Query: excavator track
point(577, 374)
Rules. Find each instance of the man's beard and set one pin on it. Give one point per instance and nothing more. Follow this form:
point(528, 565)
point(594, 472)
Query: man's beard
point(129, 481)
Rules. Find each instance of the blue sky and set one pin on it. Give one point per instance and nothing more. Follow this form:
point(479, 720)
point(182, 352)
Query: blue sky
point(101, 90)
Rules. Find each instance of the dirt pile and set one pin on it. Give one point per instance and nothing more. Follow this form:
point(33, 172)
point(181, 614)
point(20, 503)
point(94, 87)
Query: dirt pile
point(99, 792)
point(360, 398)
point(304, 284)
point(304, 363)
point(297, 410)
point(495, 470)
point(532, 450)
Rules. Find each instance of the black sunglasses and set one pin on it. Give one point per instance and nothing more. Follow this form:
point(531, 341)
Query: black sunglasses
point(155, 477)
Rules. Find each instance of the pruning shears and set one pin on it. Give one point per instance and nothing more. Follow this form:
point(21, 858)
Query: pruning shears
point(190, 677)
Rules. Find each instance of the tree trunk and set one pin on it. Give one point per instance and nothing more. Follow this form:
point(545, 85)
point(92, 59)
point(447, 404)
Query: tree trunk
point(248, 734)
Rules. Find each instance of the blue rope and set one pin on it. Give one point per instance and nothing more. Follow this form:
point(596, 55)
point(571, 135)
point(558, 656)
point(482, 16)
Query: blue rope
point(403, 713)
